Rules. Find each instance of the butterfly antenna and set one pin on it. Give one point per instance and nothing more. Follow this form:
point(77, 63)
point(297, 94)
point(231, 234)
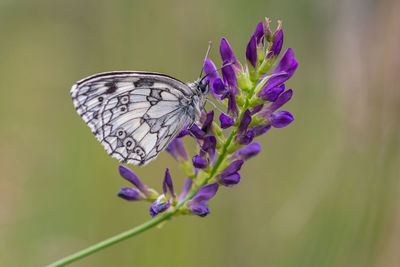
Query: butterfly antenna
point(205, 58)
point(223, 66)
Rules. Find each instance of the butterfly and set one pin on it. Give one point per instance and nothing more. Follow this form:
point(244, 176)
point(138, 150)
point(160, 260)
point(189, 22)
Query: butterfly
point(135, 115)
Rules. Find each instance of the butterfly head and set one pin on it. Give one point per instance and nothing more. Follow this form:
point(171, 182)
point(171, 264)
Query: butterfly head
point(203, 86)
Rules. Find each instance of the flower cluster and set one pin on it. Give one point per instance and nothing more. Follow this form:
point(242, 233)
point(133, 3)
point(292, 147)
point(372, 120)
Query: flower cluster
point(252, 95)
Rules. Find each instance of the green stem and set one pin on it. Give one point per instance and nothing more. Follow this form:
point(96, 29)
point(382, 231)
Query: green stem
point(157, 220)
point(112, 240)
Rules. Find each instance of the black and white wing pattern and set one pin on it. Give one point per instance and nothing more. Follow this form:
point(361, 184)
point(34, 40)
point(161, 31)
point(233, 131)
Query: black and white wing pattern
point(134, 115)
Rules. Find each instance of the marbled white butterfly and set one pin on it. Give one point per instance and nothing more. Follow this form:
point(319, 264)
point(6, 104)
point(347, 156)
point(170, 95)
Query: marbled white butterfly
point(135, 115)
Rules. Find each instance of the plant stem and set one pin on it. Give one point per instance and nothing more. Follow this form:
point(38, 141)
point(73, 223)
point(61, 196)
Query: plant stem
point(112, 240)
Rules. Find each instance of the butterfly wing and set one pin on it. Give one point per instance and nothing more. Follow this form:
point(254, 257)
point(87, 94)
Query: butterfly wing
point(134, 115)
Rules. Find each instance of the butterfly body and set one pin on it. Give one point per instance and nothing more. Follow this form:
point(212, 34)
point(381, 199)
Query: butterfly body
point(135, 115)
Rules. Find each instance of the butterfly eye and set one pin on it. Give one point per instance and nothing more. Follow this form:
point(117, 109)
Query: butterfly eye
point(129, 143)
point(204, 87)
point(121, 134)
point(125, 100)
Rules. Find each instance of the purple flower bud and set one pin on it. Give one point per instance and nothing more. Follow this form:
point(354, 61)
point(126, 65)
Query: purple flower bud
point(281, 100)
point(199, 162)
point(130, 194)
point(187, 185)
point(210, 70)
point(271, 94)
point(232, 107)
point(248, 151)
point(219, 87)
point(208, 122)
point(272, 82)
point(277, 44)
point(256, 109)
point(167, 184)
point(209, 145)
point(251, 51)
point(260, 129)
point(246, 119)
point(287, 63)
point(158, 206)
point(183, 133)
point(199, 210)
point(129, 175)
point(197, 132)
point(259, 33)
point(225, 121)
point(229, 180)
point(281, 119)
point(246, 138)
point(229, 75)
point(205, 193)
point(177, 149)
point(227, 54)
point(234, 167)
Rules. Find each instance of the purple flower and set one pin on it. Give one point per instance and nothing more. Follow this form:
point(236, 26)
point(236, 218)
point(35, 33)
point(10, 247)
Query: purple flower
point(246, 119)
point(270, 90)
point(159, 206)
point(208, 122)
point(232, 168)
point(225, 121)
point(247, 152)
point(279, 102)
point(232, 107)
point(230, 176)
point(256, 109)
point(167, 185)
point(204, 194)
point(177, 149)
point(259, 33)
point(229, 180)
point(130, 194)
point(199, 210)
point(281, 119)
point(210, 70)
point(260, 129)
point(197, 132)
point(277, 44)
point(227, 54)
point(219, 87)
point(183, 133)
point(251, 51)
point(187, 185)
point(129, 175)
point(287, 63)
point(246, 138)
point(272, 93)
point(199, 162)
point(209, 146)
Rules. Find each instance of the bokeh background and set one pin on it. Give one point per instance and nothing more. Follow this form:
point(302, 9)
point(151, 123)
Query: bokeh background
point(323, 192)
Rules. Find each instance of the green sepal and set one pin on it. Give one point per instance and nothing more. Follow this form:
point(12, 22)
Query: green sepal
point(243, 81)
point(187, 168)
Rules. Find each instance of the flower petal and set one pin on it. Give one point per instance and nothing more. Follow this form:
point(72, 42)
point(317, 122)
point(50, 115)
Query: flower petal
point(199, 210)
point(248, 151)
point(130, 194)
point(167, 184)
point(251, 51)
point(129, 175)
point(225, 121)
point(281, 119)
point(199, 162)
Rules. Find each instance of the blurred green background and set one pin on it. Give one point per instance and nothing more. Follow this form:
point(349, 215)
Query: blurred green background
point(323, 192)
